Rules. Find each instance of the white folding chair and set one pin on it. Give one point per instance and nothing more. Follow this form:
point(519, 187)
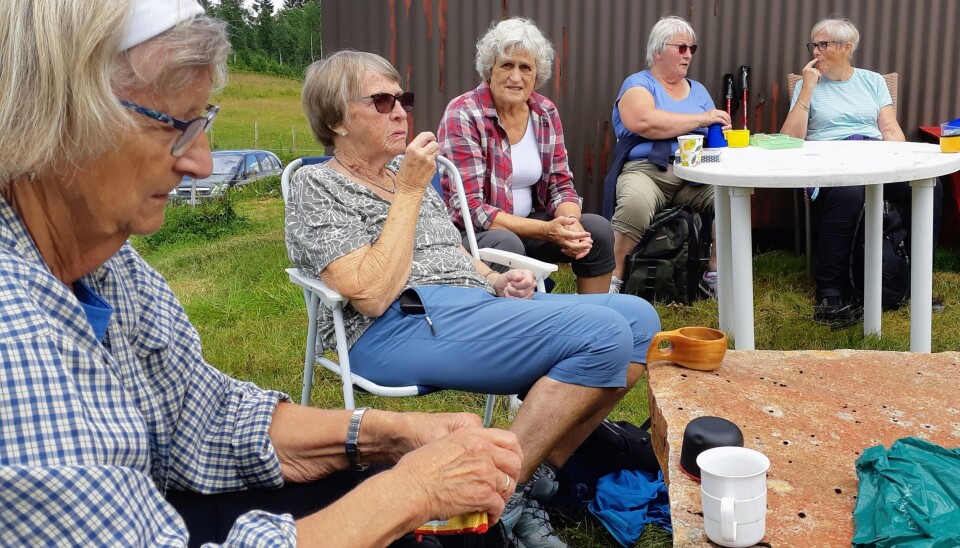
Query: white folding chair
point(316, 294)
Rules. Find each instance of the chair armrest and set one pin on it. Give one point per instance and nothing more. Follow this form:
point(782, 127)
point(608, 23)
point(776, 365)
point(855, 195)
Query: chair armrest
point(540, 269)
point(326, 294)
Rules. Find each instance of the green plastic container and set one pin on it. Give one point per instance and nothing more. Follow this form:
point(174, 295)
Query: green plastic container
point(774, 141)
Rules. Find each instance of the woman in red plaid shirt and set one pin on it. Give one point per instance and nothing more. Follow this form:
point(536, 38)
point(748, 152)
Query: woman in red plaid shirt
point(507, 142)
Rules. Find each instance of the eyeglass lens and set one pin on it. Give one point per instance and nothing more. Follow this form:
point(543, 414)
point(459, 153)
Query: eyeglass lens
point(384, 102)
point(822, 45)
point(194, 128)
point(682, 48)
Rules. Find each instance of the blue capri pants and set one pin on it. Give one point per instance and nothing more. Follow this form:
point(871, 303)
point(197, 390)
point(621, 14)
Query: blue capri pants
point(477, 342)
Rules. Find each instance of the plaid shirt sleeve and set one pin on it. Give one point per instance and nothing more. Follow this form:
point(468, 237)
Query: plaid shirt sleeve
point(556, 187)
point(465, 141)
point(92, 433)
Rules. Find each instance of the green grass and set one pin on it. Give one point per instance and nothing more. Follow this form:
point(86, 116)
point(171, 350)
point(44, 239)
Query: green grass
point(252, 320)
point(258, 111)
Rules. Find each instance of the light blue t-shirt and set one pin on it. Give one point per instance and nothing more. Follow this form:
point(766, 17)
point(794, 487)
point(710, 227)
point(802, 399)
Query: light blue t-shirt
point(697, 101)
point(841, 109)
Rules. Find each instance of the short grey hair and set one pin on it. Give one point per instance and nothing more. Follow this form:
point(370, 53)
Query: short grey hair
point(510, 36)
point(64, 57)
point(330, 83)
point(664, 30)
point(839, 29)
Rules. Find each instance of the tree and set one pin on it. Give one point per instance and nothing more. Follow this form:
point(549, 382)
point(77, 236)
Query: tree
point(264, 26)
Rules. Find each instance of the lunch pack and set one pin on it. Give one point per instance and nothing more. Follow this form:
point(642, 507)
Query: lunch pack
point(665, 265)
point(895, 265)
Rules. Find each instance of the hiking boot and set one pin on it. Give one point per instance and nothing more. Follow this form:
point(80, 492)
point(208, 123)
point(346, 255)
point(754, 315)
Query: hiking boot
point(616, 284)
point(833, 311)
point(708, 285)
point(533, 529)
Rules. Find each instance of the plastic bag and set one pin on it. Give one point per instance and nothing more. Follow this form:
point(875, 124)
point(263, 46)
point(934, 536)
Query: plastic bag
point(908, 496)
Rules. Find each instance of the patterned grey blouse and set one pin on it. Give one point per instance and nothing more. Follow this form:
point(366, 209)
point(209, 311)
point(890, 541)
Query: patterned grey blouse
point(329, 216)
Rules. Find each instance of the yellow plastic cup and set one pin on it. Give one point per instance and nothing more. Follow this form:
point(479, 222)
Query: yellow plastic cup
point(737, 138)
point(950, 144)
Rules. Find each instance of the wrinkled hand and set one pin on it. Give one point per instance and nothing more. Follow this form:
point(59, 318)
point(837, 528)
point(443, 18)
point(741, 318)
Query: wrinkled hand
point(811, 75)
point(519, 284)
point(716, 116)
point(419, 162)
point(568, 233)
point(463, 472)
point(420, 429)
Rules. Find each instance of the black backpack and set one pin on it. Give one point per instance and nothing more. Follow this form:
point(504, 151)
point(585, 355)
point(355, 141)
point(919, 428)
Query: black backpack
point(665, 265)
point(895, 275)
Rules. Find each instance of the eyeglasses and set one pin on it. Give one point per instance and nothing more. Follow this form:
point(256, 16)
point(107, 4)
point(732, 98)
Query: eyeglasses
point(385, 102)
point(821, 45)
point(188, 129)
point(682, 48)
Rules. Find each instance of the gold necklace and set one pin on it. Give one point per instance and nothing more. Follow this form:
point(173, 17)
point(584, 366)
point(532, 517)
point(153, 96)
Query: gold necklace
point(383, 188)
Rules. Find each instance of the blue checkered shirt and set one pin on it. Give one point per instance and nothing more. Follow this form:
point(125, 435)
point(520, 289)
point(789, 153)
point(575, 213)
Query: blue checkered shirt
point(93, 433)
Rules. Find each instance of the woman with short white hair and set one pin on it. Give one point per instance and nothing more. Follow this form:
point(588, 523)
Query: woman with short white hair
point(507, 142)
point(837, 101)
point(652, 109)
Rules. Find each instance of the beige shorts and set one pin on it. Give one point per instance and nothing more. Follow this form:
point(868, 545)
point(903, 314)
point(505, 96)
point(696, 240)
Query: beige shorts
point(643, 190)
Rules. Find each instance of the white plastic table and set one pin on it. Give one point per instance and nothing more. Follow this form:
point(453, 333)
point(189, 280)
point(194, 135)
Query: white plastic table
point(824, 164)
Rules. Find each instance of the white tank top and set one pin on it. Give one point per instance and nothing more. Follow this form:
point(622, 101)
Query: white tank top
point(527, 170)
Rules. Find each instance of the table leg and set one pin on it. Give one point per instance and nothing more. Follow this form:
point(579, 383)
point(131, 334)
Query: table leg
point(872, 258)
point(921, 269)
point(742, 261)
point(721, 206)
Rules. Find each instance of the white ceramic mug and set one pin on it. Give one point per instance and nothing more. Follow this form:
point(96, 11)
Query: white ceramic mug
point(734, 495)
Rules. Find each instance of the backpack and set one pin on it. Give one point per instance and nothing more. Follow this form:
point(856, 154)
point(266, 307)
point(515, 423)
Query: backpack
point(895, 246)
point(665, 265)
point(612, 447)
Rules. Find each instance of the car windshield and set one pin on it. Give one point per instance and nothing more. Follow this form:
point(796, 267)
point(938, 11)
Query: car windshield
point(224, 165)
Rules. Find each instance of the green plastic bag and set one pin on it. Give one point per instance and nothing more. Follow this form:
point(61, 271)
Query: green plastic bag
point(908, 496)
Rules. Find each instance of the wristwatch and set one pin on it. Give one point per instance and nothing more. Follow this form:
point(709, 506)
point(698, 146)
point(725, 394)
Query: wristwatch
point(352, 447)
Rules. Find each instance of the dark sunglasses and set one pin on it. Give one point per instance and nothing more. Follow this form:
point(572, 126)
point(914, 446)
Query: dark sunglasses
point(821, 45)
point(385, 102)
point(682, 48)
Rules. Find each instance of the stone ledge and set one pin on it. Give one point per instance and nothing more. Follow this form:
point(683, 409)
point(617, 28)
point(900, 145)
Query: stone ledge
point(812, 413)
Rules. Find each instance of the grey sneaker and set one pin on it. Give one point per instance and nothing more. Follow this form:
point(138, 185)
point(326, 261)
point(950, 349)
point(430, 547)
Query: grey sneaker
point(533, 529)
point(616, 284)
point(708, 285)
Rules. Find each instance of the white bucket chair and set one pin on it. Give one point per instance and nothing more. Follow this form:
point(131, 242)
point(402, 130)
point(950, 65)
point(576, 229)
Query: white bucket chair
point(317, 294)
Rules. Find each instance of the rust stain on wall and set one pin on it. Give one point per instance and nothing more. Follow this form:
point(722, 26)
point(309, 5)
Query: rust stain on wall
point(565, 61)
point(442, 23)
point(774, 107)
point(393, 31)
point(428, 15)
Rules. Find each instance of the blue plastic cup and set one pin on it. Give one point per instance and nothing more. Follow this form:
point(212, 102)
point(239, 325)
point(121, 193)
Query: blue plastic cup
point(715, 137)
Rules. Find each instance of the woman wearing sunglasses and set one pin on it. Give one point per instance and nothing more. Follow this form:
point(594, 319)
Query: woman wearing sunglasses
point(507, 141)
point(653, 107)
point(422, 311)
point(837, 101)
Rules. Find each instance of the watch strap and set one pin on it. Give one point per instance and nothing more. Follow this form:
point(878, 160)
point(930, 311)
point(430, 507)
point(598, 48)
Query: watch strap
point(352, 448)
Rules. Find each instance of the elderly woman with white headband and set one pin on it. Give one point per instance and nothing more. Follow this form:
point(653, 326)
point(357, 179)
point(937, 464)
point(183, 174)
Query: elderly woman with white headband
point(111, 423)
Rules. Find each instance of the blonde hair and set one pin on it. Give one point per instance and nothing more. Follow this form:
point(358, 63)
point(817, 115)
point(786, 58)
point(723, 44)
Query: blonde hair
point(62, 70)
point(330, 83)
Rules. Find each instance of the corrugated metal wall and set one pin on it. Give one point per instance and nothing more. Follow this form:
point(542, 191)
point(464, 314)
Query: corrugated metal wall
point(600, 42)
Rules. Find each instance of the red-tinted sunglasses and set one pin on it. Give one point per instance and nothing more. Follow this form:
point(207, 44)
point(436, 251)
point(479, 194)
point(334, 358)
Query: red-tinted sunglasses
point(384, 102)
point(682, 48)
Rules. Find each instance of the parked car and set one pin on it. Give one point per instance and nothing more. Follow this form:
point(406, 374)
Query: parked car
point(231, 168)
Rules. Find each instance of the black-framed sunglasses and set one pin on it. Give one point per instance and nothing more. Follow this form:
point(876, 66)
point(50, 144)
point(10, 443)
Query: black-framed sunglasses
point(682, 48)
point(385, 102)
point(189, 129)
point(821, 45)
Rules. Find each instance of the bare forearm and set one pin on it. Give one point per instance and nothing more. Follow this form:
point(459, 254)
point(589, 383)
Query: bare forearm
point(377, 512)
point(660, 124)
point(310, 442)
point(372, 277)
point(796, 123)
point(531, 229)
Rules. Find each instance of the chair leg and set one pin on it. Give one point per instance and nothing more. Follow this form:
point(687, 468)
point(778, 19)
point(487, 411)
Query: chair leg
point(310, 355)
point(488, 412)
point(809, 235)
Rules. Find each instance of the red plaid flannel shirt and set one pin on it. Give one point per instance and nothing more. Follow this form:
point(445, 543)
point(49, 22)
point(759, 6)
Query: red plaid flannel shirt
point(471, 136)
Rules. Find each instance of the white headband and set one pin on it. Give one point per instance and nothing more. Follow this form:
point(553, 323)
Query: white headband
point(152, 17)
